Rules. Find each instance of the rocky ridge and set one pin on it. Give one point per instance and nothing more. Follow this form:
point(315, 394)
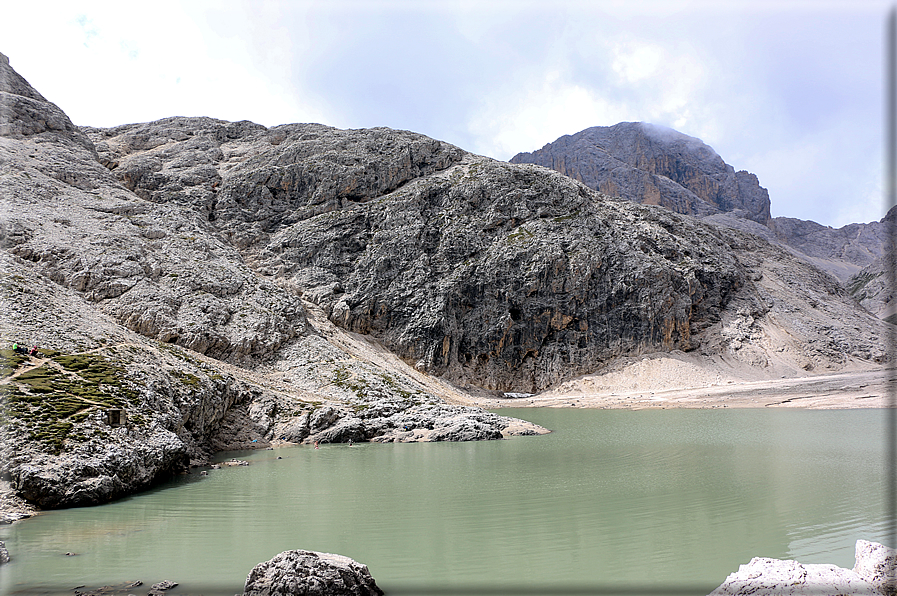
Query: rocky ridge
point(655, 165)
point(488, 275)
point(224, 285)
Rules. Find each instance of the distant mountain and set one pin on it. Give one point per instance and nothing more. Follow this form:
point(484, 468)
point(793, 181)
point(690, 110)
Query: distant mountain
point(840, 251)
point(654, 165)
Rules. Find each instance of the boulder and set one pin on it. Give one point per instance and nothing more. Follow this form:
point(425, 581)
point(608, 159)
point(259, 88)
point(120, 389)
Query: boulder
point(310, 573)
point(4, 554)
point(871, 576)
point(877, 564)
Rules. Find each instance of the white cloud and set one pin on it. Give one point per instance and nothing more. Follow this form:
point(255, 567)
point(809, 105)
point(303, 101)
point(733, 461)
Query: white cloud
point(774, 89)
point(530, 117)
point(636, 62)
point(645, 82)
point(133, 63)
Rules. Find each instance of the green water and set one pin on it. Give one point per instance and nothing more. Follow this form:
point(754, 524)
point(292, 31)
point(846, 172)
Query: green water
point(651, 498)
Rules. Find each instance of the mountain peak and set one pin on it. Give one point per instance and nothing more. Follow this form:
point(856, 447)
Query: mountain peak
point(653, 164)
point(24, 112)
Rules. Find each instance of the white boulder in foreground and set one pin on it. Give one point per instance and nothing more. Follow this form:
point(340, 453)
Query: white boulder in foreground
point(872, 575)
point(311, 574)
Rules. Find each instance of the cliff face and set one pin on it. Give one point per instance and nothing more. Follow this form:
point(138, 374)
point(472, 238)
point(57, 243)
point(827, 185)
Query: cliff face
point(490, 275)
point(654, 165)
point(497, 276)
point(227, 285)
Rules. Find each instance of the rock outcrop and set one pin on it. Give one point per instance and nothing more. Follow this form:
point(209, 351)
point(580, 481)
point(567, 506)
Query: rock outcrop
point(873, 288)
point(489, 275)
point(307, 572)
point(139, 303)
point(654, 165)
point(873, 575)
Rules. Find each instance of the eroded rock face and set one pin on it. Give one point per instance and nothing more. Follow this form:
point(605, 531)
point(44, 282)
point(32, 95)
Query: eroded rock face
point(509, 277)
point(312, 573)
point(873, 575)
point(502, 277)
point(654, 165)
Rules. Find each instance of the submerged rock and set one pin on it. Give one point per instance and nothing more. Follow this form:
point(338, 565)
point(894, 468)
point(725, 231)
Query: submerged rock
point(311, 573)
point(872, 575)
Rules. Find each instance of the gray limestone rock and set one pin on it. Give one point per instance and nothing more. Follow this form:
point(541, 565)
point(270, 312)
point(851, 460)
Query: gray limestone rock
point(877, 564)
point(4, 554)
point(654, 165)
point(873, 575)
point(872, 287)
point(311, 573)
point(840, 251)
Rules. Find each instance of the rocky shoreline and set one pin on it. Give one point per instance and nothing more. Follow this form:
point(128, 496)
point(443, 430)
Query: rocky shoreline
point(308, 572)
point(872, 575)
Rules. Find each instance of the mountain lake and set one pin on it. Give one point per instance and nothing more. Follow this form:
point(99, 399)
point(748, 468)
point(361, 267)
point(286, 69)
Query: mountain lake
point(612, 501)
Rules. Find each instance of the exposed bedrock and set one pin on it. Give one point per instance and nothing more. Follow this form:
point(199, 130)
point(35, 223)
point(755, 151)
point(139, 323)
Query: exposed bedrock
point(313, 573)
point(509, 277)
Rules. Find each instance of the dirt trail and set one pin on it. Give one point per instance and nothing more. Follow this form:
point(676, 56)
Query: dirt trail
point(23, 368)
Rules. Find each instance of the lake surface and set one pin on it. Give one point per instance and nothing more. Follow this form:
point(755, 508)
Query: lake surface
point(649, 500)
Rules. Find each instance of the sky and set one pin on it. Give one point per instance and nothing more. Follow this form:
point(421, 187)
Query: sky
point(792, 91)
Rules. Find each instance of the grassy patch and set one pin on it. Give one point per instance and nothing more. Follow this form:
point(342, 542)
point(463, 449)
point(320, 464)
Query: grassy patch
point(344, 380)
point(49, 400)
point(10, 361)
point(566, 217)
point(859, 282)
point(520, 235)
point(186, 378)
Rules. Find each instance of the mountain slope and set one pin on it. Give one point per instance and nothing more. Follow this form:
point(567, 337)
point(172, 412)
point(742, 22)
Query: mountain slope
point(655, 165)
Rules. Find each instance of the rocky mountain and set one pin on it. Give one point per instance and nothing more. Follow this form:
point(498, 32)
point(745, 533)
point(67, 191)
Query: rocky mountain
point(196, 285)
point(874, 289)
point(654, 165)
point(840, 251)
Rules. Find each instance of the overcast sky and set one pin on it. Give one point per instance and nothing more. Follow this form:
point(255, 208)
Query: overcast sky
point(791, 91)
